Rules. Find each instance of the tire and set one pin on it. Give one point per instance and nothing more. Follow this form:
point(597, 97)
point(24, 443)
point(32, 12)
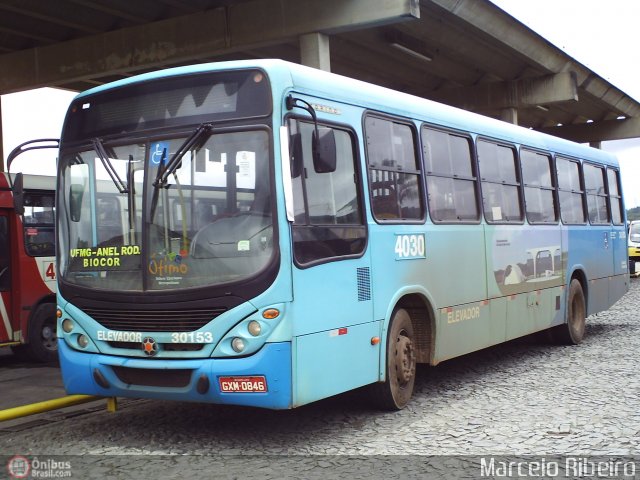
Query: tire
point(572, 331)
point(395, 392)
point(43, 342)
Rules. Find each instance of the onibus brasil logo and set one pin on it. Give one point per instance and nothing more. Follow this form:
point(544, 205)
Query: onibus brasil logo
point(20, 466)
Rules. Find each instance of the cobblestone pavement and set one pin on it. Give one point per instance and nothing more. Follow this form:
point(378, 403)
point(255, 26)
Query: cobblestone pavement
point(520, 398)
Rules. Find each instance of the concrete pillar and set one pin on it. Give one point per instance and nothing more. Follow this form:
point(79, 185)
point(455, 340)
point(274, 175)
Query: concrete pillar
point(597, 145)
point(314, 51)
point(509, 115)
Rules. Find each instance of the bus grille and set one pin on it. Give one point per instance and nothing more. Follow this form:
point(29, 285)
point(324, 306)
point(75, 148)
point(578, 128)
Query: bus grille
point(150, 377)
point(154, 320)
point(168, 347)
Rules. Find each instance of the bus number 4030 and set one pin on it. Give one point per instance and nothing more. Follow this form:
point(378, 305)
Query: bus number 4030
point(410, 246)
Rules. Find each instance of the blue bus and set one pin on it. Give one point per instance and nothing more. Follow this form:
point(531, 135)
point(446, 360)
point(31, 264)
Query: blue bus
point(265, 234)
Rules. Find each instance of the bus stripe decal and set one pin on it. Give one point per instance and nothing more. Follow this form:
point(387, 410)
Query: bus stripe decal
point(5, 318)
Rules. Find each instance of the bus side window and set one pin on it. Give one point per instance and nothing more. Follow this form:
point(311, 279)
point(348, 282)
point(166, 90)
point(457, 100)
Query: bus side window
point(501, 194)
point(538, 187)
point(451, 177)
point(5, 276)
point(328, 217)
point(597, 199)
point(570, 191)
point(394, 170)
point(615, 197)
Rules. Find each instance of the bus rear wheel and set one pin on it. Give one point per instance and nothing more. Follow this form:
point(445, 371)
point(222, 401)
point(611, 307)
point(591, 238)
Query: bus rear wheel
point(572, 331)
point(395, 392)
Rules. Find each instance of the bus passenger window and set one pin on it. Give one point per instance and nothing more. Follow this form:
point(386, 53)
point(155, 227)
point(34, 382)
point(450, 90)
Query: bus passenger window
point(328, 218)
point(615, 197)
point(501, 197)
point(451, 177)
point(596, 194)
point(570, 191)
point(538, 187)
point(394, 170)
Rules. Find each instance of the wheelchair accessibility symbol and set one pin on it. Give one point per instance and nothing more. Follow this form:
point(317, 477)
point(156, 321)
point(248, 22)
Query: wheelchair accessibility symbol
point(158, 153)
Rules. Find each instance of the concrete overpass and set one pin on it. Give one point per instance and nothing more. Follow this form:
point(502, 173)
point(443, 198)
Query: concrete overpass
point(467, 53)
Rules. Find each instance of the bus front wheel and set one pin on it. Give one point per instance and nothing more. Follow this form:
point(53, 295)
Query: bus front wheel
point(572, 331)
point(395, 392)
point(43, 343)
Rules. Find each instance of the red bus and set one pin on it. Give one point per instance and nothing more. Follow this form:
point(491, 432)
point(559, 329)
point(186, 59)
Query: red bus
point(27, 263)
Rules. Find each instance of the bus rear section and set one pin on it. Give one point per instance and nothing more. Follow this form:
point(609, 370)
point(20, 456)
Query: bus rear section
point(27, 266)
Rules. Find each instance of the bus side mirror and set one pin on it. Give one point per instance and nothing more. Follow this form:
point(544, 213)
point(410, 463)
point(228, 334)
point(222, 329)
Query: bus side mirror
point(18, 194)
point(79, 175)
point(296, 155)
point(324, 150)
point(76, 192)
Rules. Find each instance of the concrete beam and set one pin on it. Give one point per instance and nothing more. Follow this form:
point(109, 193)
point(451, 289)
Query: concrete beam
point(598, 131)
point(512, 34)
point(527, 92)
point(182, 39)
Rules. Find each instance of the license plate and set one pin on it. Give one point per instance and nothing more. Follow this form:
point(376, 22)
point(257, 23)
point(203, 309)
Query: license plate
point(257, 384)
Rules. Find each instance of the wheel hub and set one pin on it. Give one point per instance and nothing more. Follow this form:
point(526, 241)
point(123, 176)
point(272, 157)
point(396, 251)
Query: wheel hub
point(405, 363)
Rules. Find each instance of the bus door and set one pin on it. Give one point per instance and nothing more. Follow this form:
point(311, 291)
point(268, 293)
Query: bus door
point(618, 284)
point(597, 239)
point(332, 304)
point(6, 330)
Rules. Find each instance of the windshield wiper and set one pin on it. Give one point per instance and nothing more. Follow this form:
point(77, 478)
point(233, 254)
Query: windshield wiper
point(174, 162)
point(108, 166)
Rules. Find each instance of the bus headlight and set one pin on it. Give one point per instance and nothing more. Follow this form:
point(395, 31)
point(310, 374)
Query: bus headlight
point(83, 341)
point(237, 344)
point(254, 328)
point(67, 325)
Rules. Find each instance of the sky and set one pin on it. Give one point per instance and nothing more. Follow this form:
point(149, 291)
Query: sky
point(600, 34)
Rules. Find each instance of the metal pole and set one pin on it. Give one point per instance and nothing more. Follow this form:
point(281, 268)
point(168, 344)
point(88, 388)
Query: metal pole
point(24, 410)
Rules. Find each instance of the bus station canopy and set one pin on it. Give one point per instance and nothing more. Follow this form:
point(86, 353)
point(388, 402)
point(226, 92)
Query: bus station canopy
point(466, 53)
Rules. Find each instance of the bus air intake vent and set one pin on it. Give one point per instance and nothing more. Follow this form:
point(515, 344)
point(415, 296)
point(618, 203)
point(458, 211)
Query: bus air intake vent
point(364, 284)
point(154, 320)
point(149, 377)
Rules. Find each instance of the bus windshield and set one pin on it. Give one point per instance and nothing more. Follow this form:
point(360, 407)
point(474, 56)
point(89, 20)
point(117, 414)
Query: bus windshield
point(207, 223)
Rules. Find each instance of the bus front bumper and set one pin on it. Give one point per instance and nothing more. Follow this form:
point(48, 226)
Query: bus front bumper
point(196, 380)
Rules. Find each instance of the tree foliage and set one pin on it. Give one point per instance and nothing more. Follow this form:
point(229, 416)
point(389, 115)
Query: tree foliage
point(633, 214)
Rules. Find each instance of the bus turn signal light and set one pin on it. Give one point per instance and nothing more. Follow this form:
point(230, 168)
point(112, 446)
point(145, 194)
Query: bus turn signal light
point(270, 313)
point(375, 340)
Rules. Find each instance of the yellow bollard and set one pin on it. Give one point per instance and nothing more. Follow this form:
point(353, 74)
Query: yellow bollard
point(112, 404)
point(32, 409)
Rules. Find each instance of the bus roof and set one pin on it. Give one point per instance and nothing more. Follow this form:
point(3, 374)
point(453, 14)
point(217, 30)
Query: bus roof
point(347, 90)
point(32, 182)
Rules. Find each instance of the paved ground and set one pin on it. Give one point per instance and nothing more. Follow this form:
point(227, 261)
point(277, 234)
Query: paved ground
point(24, 382)
point(521, 398)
